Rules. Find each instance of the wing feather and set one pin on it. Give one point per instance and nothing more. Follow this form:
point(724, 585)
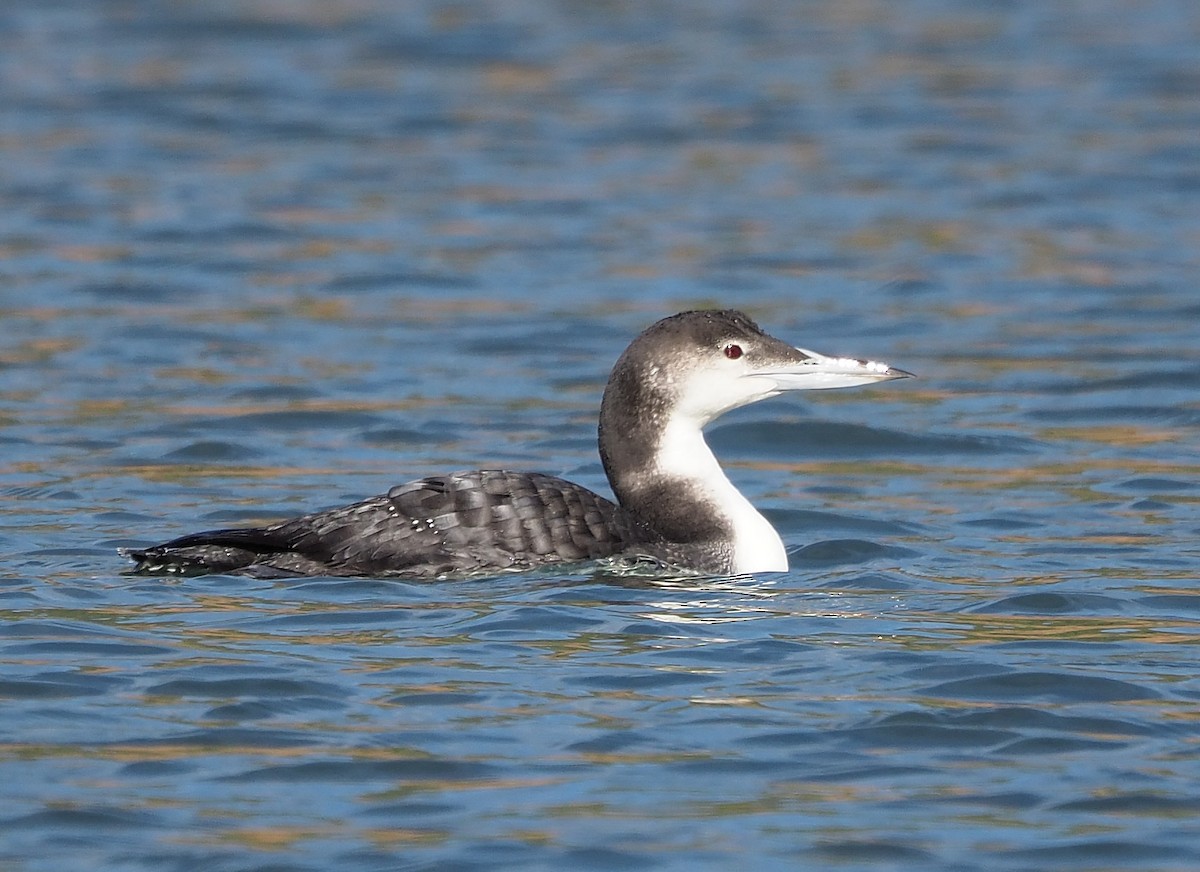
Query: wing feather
point(448, 524)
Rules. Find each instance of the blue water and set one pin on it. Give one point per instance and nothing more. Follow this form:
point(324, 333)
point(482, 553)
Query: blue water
point(258, 258)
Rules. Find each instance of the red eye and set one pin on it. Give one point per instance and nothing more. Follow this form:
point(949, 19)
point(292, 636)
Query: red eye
point(732, 351)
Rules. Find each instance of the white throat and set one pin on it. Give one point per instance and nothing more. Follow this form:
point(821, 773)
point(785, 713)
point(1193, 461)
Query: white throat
point(683, 454)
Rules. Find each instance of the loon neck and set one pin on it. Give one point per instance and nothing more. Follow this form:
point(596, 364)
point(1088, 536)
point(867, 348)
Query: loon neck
point(684, 457)
point(665, 474)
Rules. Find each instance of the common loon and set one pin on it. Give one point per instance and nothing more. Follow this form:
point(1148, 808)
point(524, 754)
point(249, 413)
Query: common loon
point(675, 506)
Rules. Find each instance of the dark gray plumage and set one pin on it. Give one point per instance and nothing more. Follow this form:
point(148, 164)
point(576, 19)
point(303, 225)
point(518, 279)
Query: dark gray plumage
point(442, 525)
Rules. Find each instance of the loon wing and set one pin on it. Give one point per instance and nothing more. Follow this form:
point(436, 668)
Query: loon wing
point(442, 525)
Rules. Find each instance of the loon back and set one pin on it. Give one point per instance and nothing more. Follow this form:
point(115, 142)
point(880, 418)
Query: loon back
point(442, 525)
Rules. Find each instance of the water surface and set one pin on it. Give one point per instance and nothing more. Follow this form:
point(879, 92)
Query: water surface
point(257, 259)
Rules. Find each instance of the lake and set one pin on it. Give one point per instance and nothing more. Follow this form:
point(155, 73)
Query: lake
point(261, 258)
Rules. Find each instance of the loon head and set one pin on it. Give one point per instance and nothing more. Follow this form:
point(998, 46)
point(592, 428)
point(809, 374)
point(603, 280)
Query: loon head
point(696, 366)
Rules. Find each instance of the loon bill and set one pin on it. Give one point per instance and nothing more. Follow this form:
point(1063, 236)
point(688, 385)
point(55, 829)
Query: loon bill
point(674, 504)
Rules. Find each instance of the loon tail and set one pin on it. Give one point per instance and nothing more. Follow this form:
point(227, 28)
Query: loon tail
point(212, 551)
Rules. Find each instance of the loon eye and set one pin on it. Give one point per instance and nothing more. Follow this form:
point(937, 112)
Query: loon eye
point(733, 351)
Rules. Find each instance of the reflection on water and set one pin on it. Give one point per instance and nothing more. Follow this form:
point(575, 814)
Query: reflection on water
point(263, 258)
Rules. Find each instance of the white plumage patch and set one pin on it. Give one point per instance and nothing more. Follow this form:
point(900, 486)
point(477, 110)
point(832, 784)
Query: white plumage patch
point(685, 456)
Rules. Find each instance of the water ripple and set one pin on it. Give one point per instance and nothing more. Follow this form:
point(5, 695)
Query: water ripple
point(1055, 686)
point(261, 258)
